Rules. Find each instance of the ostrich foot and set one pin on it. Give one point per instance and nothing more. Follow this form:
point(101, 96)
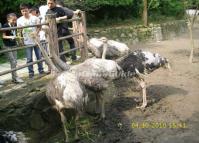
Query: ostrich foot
point(142, 107)
point(99, 119)
point(102, 119)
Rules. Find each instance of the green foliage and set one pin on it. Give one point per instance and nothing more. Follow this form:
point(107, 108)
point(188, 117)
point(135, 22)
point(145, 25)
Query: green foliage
point(114, 10)
point(171, 7)
point(7, 6)
point(191, 3)
point(90, 5)
point(115, 3)
point(153, 4)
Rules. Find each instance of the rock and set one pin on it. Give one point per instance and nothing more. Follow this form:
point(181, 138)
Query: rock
point(122, 35)
point(36, 122)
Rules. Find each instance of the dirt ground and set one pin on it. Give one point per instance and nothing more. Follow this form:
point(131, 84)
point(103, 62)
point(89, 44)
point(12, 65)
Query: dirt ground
point(172, 114)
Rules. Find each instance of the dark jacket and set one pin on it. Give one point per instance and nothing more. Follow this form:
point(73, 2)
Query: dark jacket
point(62, 28)
point(9, 42)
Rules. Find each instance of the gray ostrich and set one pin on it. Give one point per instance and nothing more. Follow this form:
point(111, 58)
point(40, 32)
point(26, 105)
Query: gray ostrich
point(68, 89)
point(113, 48)
point(66, 92)
point(96, 74)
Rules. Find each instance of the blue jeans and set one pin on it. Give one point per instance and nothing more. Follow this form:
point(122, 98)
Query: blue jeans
point(29, 52)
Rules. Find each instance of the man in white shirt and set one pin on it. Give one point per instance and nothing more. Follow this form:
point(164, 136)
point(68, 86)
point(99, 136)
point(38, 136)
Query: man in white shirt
point(24, 20)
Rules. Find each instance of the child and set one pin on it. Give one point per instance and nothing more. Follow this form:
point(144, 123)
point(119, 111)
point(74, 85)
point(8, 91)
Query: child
point(9, 40)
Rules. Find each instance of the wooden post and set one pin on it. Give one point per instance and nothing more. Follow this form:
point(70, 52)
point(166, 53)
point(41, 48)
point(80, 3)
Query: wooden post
point(76, 29)
point(84, 53)
point(52, 38)
point(145, 13)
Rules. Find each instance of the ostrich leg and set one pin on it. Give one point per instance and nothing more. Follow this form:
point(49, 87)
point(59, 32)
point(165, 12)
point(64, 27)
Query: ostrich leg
point(102, 107)
point(63, 119)
point(76, 127)
point(144, 100)
point(97, 105)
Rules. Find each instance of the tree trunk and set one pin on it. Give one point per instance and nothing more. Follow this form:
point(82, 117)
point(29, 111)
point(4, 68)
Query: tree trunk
point(191, 20)
point(84, 53)
point(145, 13)
point(190, 27)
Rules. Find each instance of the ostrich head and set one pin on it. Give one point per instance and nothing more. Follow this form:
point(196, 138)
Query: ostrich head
point(165, 63)
point(103, 39)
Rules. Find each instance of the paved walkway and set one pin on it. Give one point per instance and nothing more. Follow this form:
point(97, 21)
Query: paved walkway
point(21, 73)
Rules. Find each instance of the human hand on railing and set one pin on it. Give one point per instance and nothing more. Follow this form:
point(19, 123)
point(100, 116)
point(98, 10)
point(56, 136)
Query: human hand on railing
point(34, 35)
point(12, 37)
point(58, 19)
point(19, 37)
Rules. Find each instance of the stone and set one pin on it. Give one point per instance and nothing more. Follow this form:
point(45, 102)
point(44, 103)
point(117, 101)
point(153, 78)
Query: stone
point(36, 122)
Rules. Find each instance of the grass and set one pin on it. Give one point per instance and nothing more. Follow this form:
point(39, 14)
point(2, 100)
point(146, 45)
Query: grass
point(85, 132)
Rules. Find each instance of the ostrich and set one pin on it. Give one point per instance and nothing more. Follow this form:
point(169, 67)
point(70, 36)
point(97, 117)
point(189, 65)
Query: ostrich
point(69, 88)
point(139, 63)
point(114, 49)
point(66, 92)
point(96, 74)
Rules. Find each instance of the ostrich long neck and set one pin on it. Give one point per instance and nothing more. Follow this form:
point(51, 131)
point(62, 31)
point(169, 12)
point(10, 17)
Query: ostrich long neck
point(105, 46)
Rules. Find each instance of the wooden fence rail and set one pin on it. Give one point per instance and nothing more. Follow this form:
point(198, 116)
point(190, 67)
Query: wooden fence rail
point(52, 40)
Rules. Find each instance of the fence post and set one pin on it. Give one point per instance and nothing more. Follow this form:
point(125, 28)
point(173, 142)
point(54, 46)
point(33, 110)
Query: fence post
point(84, 53)
point(52, 39)
point(52, 36)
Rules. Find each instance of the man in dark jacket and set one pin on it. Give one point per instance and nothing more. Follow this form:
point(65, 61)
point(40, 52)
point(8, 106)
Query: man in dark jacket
point(62, 27)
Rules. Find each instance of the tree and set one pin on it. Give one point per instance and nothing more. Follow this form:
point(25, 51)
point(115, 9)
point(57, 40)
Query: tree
point(191, 15)
point(7, 6)
point(90, 5)
point(145, 13)
point(147, 5)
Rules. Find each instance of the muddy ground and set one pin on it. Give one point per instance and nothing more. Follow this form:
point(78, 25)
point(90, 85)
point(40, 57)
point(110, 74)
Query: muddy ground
point(172, 114)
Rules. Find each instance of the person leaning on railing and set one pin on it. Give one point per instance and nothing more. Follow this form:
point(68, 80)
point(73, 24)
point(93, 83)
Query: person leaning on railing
point(65, 30)
point(62, 28)
point(9, 41)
